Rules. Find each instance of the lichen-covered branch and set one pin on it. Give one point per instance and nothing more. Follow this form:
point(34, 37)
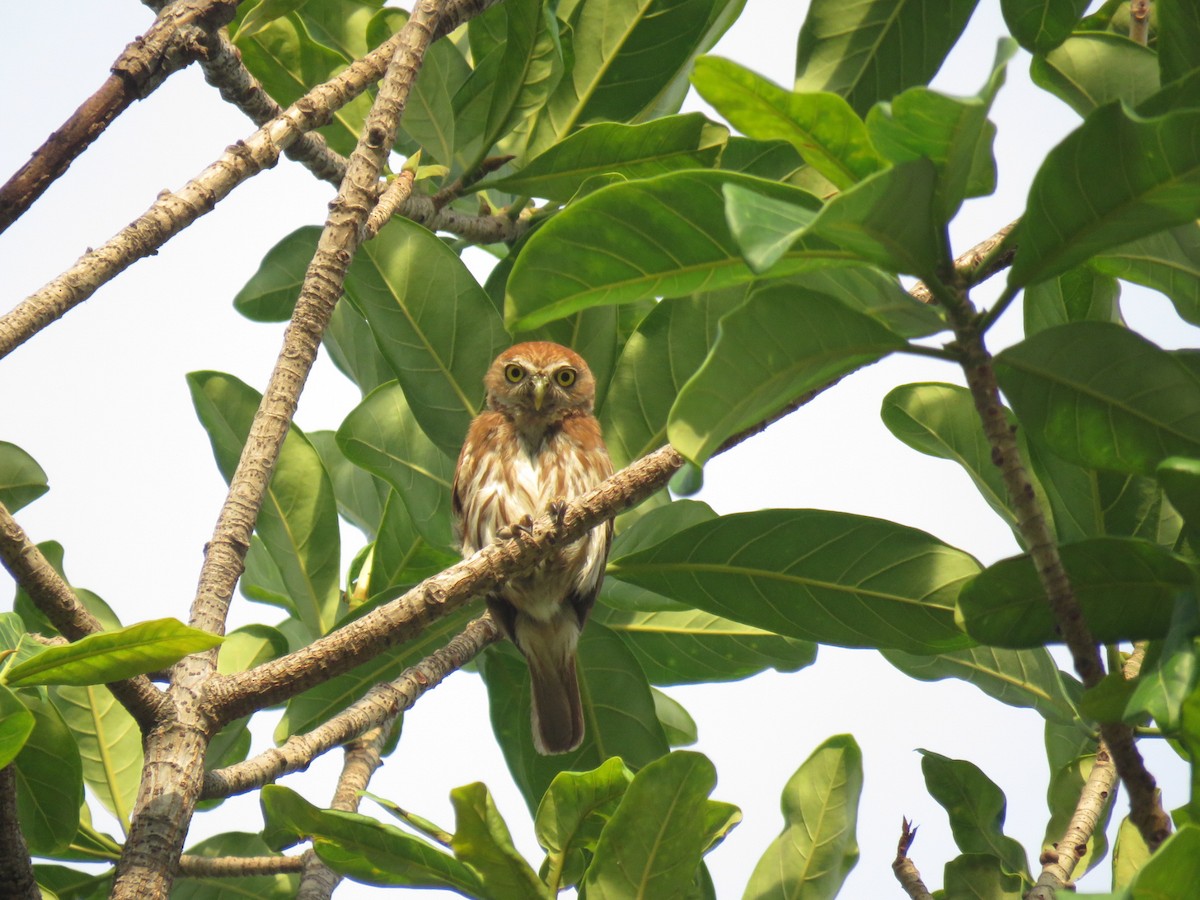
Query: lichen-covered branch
point(377, 708)
point(170, 44)
point(56, 600)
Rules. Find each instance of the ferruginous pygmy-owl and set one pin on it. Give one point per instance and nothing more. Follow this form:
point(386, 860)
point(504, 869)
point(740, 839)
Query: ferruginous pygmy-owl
point(536, 445)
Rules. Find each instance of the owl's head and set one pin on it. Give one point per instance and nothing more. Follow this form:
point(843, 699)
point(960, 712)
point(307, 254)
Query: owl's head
point(540, 380)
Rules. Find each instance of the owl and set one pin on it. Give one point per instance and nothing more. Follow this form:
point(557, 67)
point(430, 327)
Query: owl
point(535, 446)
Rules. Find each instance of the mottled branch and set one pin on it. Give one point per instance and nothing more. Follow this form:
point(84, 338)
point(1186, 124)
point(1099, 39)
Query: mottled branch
point(905, 869)
point(192, 866)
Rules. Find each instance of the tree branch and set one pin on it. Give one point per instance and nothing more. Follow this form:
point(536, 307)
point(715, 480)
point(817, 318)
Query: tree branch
point(377, 708)
point(171, 44)
point(1059, 864)
point(16, 868)
point(192, 866)
point(905, 869)
point(56, 600)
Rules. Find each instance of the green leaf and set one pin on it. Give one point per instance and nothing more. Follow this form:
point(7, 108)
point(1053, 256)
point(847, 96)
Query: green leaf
point(1179, 38)
point(678, 725)
point(270, 294)
point(1041, 25)
point(1077, 295)
point(16, 724)
point(49, 780)
point(1162, 688)
point(360, 847)
point(954, 133)
point(871, 51)
point(1130, 854)
point(110, 745)
point(298, 521)
point(691, 646)
point(829, 577)
point(281, 886)
point(769, 352)
point(1102, 396)
point(878, 295)
point(1180, 478)
point(828, 134)
point(1168, 261)
point(1077, 210)
point(639, 240)
point(71, 884)
point(401, 557)
point(382, 436)
point(361, 496)
point(1173, 872)
point(1021, 678)
point(113, 655)
point(982, 875)
point(817, 848)
point(976, 808)
point(611, 151)
point(1126, 587)
point(1093, 68)
point(22, 480)
point(940, 420)
point(575, 808)
point(617, 708)
point(653, 844)
point(611, 44)
point(482, 841)
point(434, 325)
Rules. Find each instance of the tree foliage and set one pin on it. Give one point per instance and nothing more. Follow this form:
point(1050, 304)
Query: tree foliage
point(717, 273)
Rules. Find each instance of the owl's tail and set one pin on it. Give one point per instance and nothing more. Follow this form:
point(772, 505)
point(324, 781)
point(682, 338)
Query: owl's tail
point(557, 712)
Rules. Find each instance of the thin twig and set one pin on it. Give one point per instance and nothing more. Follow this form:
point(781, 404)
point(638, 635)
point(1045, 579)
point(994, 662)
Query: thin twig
point(193, 866)
point(56, 600)
point(1139, 21)
point(378, 707)
point(904, 868)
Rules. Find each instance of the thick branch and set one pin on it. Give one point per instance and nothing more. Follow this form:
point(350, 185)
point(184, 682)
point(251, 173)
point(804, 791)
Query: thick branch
point(16, 868)
point(1146, 810)
point(56, 600)
point(170, 45)
point(905, 869)
point(1058, 865)
point(377, 708)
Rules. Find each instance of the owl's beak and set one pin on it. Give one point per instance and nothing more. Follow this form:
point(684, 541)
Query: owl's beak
point(539, 391)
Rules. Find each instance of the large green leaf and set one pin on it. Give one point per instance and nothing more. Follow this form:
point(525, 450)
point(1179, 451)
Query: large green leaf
point(401, 557)
point(691, 646)
point(71, 884)
point(434, 325)
point(16, 724)
point(1076, 208)
point(21, 479)
point(298, 520)
point(983, 875)
point(360, 847)
point(976, 809)
point(653, 844)
point(611, 151)
point(887, 220)
point(1168, 261)
point(574, 810)
point(49, 780)
point(873, 50)
point(770, 351)
point(824, 576)
point(113, 655)
point(818, 847)
point(828, 134)
point(954, 133)
point(940, 420)
point(617, 708)
point(625, 55)
point(1077, 295)
point(353, 349)
point(482, 841)
point(280, 886)
point(381, 435)
point(1179, 38)
point(361, 496)
point(270, 294)
point(1126, 588)
point(1022, 678)
point(1041, 25)
point(1093, 68)
point(1173, 872)
point(663, 236)
point(110, 744)
point(1102, 396)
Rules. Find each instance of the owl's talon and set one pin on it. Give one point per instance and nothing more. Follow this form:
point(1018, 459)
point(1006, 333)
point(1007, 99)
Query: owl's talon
point(523, 526)
point(558, 510)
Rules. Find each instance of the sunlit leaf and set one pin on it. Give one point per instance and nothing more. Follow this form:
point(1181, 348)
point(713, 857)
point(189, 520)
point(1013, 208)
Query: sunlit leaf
point(1093, 68)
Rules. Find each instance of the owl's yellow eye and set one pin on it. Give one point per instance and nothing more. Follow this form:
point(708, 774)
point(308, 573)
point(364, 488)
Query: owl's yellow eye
point(565, 377)
point(513, 373)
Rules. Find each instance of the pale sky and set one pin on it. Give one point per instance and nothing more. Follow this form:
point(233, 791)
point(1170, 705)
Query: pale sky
point(99, 399)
